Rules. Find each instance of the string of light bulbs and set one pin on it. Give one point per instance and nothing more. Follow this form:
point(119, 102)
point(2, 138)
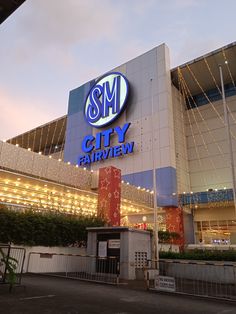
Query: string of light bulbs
point(207, 98)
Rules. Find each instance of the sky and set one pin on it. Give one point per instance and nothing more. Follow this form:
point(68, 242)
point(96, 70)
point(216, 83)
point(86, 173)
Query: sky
point(48, 48)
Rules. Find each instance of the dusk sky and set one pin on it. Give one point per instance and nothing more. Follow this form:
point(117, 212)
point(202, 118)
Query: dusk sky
point(48, 47)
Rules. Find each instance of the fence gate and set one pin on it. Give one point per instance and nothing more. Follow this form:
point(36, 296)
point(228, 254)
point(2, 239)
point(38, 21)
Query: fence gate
point(83, 267)
point(8, 253)
point(199, 278)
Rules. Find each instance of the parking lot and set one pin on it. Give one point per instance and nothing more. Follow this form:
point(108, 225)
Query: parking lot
point(41, 294)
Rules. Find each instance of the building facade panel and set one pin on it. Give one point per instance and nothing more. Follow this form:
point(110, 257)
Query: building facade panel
point(149, 105)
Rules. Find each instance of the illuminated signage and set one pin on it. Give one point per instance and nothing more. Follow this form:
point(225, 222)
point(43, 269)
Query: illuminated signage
point(91, 145)
point(106, 100)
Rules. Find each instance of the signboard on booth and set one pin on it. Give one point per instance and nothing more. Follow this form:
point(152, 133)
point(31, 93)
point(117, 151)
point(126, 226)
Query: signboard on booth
point(114, 244)
point(102, 248)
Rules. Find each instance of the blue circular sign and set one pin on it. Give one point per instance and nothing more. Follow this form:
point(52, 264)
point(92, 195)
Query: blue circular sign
point(106, 99)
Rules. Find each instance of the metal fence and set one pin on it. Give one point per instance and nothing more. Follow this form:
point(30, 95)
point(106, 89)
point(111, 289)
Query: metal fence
point(10, 253)
point(83, 267)
point(199, 278)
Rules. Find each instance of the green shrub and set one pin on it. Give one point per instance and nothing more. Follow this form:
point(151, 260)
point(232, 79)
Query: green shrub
point(167, 236)
point(46, 229)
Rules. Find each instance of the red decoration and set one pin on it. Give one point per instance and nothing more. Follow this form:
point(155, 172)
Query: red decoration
point(175, 223)
point(109, 195)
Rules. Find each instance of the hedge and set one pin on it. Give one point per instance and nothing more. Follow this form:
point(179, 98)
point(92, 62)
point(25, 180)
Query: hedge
point(46, 229)
point(167, 236)
point(229, 255)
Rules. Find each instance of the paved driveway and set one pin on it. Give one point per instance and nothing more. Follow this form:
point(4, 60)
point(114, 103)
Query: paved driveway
point(59, 295)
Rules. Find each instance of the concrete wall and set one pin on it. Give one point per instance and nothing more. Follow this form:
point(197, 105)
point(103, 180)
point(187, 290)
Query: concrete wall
point(134, 241)
point(204, 272)
point(92, 243)
point(188, 227)
point(33, 262)
point(182, 165)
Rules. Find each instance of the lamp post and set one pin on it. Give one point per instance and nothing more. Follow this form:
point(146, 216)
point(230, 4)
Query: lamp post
point(155, 229)
point(228, 132)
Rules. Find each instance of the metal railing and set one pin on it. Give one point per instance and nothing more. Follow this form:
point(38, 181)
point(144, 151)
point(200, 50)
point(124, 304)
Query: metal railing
point(83, 267)
point(10, 253)
point(199, 278)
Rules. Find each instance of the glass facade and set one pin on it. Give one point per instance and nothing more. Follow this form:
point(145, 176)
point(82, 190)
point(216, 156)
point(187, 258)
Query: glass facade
point(215, 231)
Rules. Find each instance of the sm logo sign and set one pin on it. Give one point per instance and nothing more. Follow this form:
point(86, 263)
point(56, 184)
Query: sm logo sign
point(106, 100)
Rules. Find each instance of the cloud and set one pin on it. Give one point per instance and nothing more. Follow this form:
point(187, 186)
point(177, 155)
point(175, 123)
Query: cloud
point(20, 115)
point(186, 3)
point(195, 48)
point(58, 24)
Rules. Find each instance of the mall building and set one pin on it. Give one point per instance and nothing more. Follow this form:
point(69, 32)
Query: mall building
point(141, 116)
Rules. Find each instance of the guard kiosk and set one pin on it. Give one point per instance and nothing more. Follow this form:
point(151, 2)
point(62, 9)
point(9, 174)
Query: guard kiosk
point(131, 247)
